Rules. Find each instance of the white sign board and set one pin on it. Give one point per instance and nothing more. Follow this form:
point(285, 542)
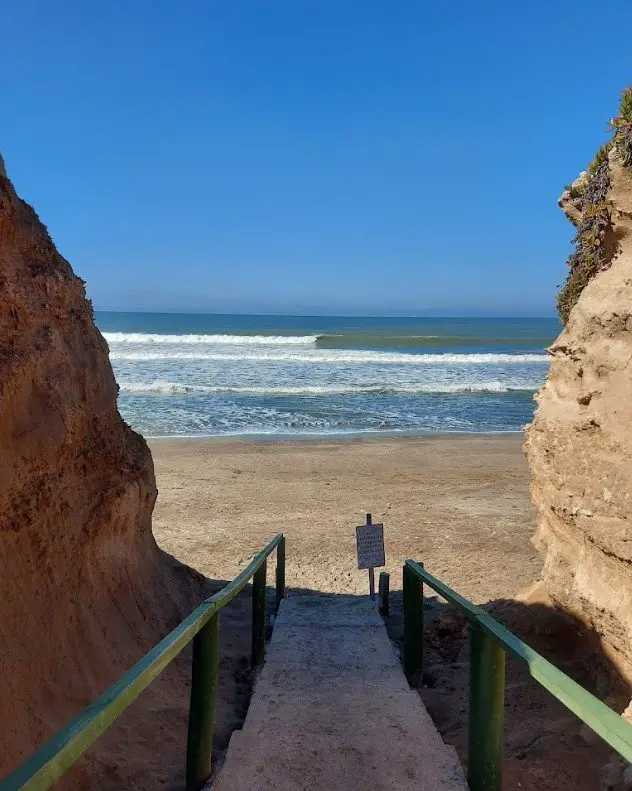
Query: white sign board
point(370, 544)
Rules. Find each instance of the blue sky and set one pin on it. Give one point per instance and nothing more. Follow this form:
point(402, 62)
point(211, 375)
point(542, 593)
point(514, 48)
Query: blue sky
point(310, 156)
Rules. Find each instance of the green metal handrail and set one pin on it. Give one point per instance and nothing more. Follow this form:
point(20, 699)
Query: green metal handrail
point(489, 641)
point(54, 757)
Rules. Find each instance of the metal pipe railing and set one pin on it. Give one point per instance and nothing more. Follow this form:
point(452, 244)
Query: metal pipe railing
point(54, 757)
point(489, 642)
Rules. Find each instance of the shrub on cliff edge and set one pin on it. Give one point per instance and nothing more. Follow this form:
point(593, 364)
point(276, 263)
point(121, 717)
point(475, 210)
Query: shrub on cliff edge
point(592, 254)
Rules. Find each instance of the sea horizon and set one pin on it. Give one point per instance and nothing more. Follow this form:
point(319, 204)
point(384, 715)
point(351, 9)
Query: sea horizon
point(344, 315)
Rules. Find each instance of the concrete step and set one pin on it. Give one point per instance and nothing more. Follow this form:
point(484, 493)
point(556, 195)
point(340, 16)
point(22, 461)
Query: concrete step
point(332, 710)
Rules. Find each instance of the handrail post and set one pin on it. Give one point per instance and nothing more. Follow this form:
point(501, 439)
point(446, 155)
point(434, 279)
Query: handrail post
point(413, 623)
point(383, 592)
point(487, 709)
point(204, 682)
point(280, 573)
point(259, 614)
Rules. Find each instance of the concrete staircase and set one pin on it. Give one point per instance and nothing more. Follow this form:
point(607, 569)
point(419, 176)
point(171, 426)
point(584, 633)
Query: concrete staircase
point(332, 711)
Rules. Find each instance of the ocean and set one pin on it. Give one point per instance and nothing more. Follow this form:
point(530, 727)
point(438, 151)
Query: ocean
point(187, 375)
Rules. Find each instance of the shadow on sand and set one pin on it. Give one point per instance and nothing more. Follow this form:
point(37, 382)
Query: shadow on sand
point(546, 747)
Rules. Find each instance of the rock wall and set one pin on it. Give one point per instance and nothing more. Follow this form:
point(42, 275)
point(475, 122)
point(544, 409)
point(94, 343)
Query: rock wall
point(579, 446)
point(84, 589)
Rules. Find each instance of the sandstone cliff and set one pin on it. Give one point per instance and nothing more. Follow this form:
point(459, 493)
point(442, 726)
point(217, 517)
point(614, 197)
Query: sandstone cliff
point(84, 589)
point(579, 445)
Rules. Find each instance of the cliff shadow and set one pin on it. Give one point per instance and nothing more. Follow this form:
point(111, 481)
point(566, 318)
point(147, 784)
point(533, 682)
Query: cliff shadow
point(145, 748)
point(546, 746)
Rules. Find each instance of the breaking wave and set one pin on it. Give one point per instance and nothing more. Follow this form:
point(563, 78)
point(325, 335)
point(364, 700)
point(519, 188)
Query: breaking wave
point(177, 388)
point(333, 356)
point(234, 340)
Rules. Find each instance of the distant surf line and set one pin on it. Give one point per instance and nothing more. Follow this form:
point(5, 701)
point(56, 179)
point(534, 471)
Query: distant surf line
point(351, 356)
point(322, 340)
point(220, 339)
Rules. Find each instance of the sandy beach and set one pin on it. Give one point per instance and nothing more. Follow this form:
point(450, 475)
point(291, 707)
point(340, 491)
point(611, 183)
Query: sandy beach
point(458, 503)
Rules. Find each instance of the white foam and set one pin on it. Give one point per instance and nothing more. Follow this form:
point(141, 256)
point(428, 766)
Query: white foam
point(234, 340)
point(177, 388)
point(335, 356)
point(161, 387)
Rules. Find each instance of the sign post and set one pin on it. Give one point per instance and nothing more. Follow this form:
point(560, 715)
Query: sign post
point(370, 546)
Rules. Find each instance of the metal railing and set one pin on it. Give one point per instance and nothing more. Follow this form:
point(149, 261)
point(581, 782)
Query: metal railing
point(489, 642)
point(54, 757)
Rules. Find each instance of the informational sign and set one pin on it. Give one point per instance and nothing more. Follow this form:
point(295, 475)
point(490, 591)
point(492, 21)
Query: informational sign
point(370, 545)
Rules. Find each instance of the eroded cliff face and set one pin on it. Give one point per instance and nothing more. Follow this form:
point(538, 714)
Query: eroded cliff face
point(84, 589)
point(579, 445)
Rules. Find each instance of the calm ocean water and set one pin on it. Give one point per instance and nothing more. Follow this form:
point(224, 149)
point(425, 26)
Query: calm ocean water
point(210, 375)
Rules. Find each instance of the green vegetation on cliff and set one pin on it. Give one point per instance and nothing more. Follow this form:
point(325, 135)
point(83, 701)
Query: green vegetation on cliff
point(594, 250)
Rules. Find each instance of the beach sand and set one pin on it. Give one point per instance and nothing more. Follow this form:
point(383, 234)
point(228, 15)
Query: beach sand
point(458, 503)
